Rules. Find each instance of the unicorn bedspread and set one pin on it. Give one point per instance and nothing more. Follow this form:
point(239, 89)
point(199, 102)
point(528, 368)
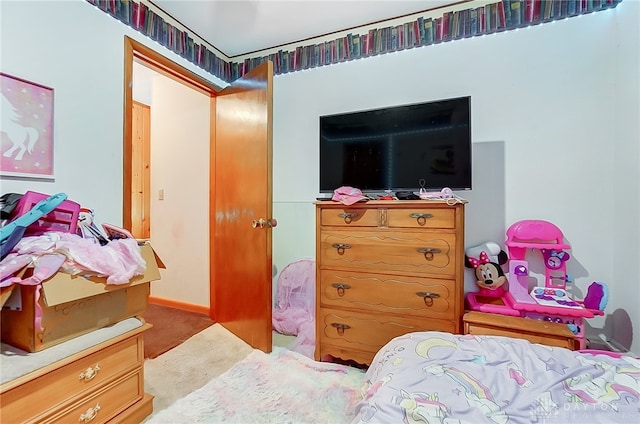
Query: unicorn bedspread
point(434, 377)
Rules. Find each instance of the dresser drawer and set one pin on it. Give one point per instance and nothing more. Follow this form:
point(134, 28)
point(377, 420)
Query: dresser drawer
point(350, 217)
point(71, 381)
point(443, 218)
point(105, 404)
point(408, 252)
point(421, 218)
point(368, 332)
point(381, 293)
point(543, 332)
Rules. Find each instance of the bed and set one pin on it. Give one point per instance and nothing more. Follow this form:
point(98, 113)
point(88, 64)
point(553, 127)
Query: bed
point(434, 377)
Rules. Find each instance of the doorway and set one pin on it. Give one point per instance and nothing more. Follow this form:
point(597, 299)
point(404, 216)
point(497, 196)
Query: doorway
point(239, 227)
point(141, 169)
point(170, 184)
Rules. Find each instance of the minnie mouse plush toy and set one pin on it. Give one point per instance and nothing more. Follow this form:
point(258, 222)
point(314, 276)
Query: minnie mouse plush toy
point(489, 275)
point(486, 259)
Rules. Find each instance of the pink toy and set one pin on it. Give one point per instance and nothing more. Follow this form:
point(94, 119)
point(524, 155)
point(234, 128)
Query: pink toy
point(294, 308)
point(550, 302)
point(519, 276)
point(534, 233)
point(490, 279)
point(63, 218)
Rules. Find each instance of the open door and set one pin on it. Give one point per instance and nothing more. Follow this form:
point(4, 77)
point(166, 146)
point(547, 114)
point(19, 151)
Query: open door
point(240, 187)
point(241, 218)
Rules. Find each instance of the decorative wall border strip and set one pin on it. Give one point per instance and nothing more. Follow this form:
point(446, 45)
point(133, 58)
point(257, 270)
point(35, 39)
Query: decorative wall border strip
point(485, 19)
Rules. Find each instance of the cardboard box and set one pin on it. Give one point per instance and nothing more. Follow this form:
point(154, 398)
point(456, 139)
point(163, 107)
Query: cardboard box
point(74, 305)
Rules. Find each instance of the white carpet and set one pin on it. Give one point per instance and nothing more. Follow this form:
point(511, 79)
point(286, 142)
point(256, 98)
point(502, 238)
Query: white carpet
point(283, 387)
point(192, 364)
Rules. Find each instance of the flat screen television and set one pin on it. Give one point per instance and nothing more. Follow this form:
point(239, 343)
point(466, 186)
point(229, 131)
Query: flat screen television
point(399, 148)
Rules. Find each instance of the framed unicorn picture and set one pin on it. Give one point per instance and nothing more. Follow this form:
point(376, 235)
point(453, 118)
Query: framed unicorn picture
point(26, 129)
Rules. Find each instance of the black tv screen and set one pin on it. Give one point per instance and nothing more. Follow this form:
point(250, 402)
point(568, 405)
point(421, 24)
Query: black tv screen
point(400, 148)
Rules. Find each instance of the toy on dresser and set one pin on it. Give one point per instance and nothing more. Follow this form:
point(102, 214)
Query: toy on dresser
point(549, 302)
point(486, 261)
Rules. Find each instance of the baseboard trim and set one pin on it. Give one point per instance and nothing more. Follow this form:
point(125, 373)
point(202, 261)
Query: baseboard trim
point(185, 306)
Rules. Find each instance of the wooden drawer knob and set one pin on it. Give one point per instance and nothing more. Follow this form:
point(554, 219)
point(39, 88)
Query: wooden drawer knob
point(428, 297)
point(421, 218)
point(340, 327)
point(340, 288)
point(348, 216)
point(428, 252)
point(341, 247)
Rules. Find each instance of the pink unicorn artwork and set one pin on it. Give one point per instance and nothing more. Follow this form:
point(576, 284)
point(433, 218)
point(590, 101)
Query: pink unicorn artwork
point(26, 127)
point(23, 138)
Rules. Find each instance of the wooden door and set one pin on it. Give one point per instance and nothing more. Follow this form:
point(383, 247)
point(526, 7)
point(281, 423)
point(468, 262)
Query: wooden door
point(241, 269)
point(141, 171)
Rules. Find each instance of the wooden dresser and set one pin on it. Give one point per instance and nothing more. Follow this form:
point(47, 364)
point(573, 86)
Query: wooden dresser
point(543, 332)
point(102, 383)
point(386, 268)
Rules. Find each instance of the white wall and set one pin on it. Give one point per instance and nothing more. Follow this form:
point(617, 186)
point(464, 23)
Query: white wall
point(78, 50)
point(559, 101)
point(555, 131)
point(180, 169)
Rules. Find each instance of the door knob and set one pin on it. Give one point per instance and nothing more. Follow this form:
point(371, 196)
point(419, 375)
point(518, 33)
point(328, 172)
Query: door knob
point(261, 223)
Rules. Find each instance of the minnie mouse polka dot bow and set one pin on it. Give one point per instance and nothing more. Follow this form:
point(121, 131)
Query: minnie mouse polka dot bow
point(483, 259)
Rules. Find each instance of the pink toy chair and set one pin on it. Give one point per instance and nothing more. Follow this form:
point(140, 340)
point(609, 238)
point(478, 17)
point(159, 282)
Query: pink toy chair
point(64, 218)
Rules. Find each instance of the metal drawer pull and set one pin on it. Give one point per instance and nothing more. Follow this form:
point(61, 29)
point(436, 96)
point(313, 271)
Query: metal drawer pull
point(421, 217)
point(429, 252)
point(340, 327)
point(348, 216)
point(90, 414)
point(341, 247)
point(428, 297)
point(341, 288)
point(90, 373)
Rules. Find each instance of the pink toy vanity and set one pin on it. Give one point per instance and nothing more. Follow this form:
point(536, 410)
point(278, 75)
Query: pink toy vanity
point(550, 302)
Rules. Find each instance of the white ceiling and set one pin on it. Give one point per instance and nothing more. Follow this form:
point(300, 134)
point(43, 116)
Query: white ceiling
point(240, 27)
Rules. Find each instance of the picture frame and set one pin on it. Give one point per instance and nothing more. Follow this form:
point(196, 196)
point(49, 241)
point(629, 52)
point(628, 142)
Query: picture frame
point(26, 128)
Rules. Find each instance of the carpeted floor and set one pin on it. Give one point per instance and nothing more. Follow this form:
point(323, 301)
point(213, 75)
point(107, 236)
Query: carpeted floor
point(283, 387)
point(171, 327)
point(191, 364)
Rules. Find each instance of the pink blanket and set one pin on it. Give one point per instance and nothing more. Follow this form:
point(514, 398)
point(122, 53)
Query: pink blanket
point(118, 261)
